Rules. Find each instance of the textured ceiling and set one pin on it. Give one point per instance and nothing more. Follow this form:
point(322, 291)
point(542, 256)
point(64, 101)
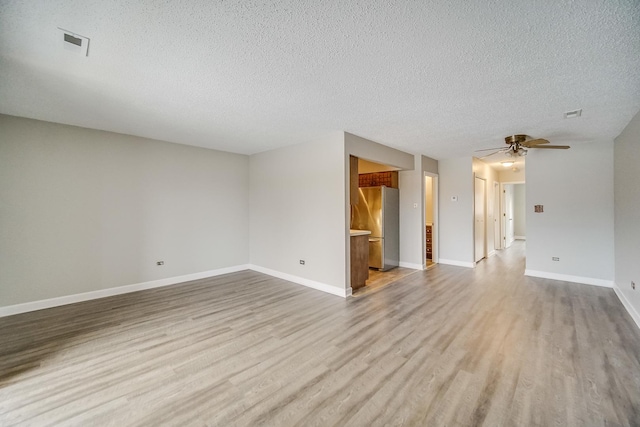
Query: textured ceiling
point(440, 78)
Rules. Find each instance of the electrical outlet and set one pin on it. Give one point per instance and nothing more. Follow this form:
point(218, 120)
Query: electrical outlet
point(301, 262)
point(160, 263)
point(555, 258)
point(633, 284)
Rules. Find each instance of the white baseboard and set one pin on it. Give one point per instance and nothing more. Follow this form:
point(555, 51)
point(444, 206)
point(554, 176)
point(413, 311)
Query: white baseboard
point(627, 305)
point(412, 265)
point(519, 238)
point(457, 263)
point(568, 278)
point(491, 253)
point(302, 281)
point(102, 293)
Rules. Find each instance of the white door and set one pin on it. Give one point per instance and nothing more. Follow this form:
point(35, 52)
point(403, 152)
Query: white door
point(479, 216)
point(508, 215)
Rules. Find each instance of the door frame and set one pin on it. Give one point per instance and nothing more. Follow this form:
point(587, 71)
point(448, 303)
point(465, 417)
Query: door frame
point(503, 223)
point(434, 228)
point(484, 221)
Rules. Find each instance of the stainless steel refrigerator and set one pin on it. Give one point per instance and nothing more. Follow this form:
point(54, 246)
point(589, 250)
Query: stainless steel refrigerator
point(378, 210)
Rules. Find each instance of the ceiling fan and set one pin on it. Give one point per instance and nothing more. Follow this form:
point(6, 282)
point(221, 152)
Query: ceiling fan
point(518, 145)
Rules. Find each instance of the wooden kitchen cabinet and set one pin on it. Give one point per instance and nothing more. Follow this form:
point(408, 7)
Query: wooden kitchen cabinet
point(429, 242)
point(359, 261)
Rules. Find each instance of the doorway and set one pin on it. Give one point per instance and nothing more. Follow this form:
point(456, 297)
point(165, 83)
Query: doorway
point(513, 214)
point(375, 210)
point(430, 219)
point(508, 215)
point(479, 214)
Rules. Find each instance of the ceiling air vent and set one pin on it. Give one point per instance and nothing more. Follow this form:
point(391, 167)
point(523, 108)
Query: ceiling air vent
point(74, 42)
point(573, 114)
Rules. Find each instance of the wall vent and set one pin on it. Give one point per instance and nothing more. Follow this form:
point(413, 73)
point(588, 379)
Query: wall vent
point(74, 42)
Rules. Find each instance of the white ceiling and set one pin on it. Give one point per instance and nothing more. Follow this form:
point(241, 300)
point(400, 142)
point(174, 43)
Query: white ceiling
point(441, 78)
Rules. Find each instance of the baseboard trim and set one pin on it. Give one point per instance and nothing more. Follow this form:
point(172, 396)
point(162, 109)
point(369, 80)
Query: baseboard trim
point(102, 293)
point(457, 263)
point(570, 278)
point(301, 281)
point(519, 238)
point(491, 253)
point(411, 265)
point(627, 305)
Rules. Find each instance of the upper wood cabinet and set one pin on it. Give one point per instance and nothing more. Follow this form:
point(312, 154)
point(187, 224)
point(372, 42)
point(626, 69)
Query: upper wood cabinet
point(376, 179)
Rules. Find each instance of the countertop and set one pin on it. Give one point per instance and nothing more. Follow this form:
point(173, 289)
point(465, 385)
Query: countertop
point(359, 232)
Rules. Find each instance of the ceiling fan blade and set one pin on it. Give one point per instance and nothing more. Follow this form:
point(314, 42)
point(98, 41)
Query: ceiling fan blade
point(557, 147)
point(496, 148)
point(491, 154)
point(533, 142)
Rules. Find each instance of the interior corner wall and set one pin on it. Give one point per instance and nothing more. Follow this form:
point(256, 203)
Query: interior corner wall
point(456, 217)
point(411, 201)
point(297, 212)
point(575, 187)
point(85, 210)
point(627, 206)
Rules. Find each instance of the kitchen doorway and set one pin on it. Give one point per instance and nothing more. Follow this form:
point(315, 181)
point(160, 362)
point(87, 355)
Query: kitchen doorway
point(375, 210)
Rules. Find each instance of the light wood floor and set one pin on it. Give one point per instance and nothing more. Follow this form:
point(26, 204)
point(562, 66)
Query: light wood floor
point(448, 346)
point(378, 279)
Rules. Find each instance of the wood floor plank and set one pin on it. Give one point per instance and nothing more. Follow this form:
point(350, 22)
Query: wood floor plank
point(447, 346)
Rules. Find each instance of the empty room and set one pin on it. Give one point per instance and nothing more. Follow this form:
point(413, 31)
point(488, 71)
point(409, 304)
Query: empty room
point(296, 213)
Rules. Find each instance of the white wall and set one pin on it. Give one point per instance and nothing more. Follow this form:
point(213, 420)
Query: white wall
point(509, 175)
point(84, 210)
point(575, 187)
point(519, 211)
point(627, 216)
point(412, 233)
point(456, 218)
point(297, 211)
